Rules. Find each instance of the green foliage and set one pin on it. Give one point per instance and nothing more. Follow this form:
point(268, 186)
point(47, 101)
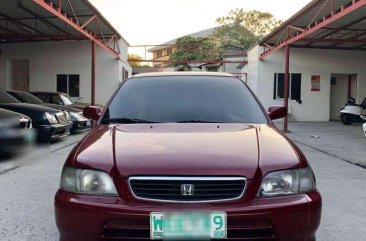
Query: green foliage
point(194, 49)
point(134, 60)
point(256, 22)
point(239, 28)
point(235, 35)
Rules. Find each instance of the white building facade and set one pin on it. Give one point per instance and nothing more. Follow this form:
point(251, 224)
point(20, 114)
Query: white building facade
point(320, 80)
point(62, 65)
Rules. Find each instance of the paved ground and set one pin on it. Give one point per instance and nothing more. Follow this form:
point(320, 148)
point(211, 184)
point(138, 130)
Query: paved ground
point(347, 143)
point(26, 193)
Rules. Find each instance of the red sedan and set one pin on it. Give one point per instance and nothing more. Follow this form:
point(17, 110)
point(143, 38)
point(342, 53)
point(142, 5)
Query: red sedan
point(186, 156)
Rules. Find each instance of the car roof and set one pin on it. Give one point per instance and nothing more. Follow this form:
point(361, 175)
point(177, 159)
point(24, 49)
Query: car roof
point(184, 73)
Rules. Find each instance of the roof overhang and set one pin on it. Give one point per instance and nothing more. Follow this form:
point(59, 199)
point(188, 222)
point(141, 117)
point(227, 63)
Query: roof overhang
point(322, 24)
point(56, 20)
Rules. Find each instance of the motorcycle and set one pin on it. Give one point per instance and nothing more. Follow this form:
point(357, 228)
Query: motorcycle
point(353, 112)
point(364, 128)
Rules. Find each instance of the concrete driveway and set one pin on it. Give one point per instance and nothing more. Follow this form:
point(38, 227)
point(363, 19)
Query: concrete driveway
point(337, 154)
point(347, 143)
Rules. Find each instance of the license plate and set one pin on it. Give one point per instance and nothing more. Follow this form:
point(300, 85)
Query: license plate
point(188, 226)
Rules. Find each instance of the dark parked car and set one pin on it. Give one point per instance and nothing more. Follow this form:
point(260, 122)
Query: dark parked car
point(15, 132)
point(58, 98)
point(186, 156)
point(48, 122)
point(79, 122)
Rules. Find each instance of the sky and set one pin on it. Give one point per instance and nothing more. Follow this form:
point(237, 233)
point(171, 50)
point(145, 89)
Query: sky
point(152, 22)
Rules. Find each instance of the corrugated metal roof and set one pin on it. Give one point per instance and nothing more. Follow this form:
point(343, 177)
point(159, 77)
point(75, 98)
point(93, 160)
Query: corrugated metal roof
point(348, 32)
point(24, 20)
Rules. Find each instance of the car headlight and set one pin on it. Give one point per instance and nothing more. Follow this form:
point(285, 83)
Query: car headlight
point(287, 182)
point(67, 115)
point(74, 116)
point(51, 118)
point(86, 181)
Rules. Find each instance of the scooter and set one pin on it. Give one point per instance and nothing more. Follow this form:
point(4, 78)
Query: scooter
point(353, 112)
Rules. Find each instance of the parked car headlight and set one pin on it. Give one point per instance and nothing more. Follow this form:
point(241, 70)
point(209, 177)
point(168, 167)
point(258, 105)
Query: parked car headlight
point(287, 182)
point(74, 116)
point(51, 118)
point(68, 118)
point(86, 181)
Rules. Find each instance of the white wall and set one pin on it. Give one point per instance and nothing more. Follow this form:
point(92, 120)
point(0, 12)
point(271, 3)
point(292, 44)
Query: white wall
point(308, 62)
point(47, 59)
point(252, 69)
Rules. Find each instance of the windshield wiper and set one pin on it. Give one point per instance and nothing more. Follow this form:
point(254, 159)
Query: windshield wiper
point(126, 121)
point(197, 121)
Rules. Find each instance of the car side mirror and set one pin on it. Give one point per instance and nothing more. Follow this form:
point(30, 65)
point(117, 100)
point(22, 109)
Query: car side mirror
point(92, 112)
point(277, 112)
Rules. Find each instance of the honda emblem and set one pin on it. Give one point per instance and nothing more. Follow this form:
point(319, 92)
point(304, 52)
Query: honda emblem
point(187, 189)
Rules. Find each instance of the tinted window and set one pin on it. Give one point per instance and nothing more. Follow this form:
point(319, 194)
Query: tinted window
point(45, 98)
point(66, 99)
point(7, 98)
point(27, 98)
point(184, 98)
point(56, 99)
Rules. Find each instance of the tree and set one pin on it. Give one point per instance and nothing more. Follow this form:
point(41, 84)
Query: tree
point(194, 49)
point(235, 35)
point(246, 28)
point(134, 60)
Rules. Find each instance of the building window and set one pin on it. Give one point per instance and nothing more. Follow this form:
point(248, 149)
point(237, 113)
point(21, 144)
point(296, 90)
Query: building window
point(159, 54)
point(169, 51)
point(69, 83)
point(294, 86)
point(124, 74)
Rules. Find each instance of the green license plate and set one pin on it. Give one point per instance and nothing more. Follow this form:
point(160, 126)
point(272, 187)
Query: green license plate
point(188, 226)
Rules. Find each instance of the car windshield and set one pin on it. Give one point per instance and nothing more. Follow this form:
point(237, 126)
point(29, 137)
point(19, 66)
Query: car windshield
point(196, 99)
point(27, 98)
point(7, 98)
point(66, 99)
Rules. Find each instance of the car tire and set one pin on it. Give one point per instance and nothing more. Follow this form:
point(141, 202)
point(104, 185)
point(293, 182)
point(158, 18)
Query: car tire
point(346, 119)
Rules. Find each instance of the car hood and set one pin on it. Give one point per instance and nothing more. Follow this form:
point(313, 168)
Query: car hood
point(35, 112)
point(185, 149)
point(7, 114)
point(29, 107)
point(62, 107)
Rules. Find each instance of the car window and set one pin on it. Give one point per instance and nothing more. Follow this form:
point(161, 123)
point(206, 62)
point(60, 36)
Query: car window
point(185, 98)
point(66, 99)
point(44, 98)
point(27, 98)
point(55, 99)
point(7, 98)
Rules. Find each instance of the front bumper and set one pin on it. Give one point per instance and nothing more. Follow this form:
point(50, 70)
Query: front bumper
point(52, 132)
point(80, 125)
point(14, 141)
point(92, 218)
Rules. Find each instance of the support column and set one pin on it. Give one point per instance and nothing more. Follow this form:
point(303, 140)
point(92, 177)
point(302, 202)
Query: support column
point(93, 73)
point(286, 91)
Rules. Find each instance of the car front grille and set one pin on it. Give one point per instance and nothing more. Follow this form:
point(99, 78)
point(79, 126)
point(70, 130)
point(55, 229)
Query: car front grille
point(25, 123)
point(188, 189)
point(62, 118)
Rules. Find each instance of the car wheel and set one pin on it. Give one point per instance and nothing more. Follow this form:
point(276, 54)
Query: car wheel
point(346, 119)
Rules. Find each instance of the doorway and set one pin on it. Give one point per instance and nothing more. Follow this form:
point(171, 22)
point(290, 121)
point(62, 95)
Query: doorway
point(342, 86)
point(18, 77)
